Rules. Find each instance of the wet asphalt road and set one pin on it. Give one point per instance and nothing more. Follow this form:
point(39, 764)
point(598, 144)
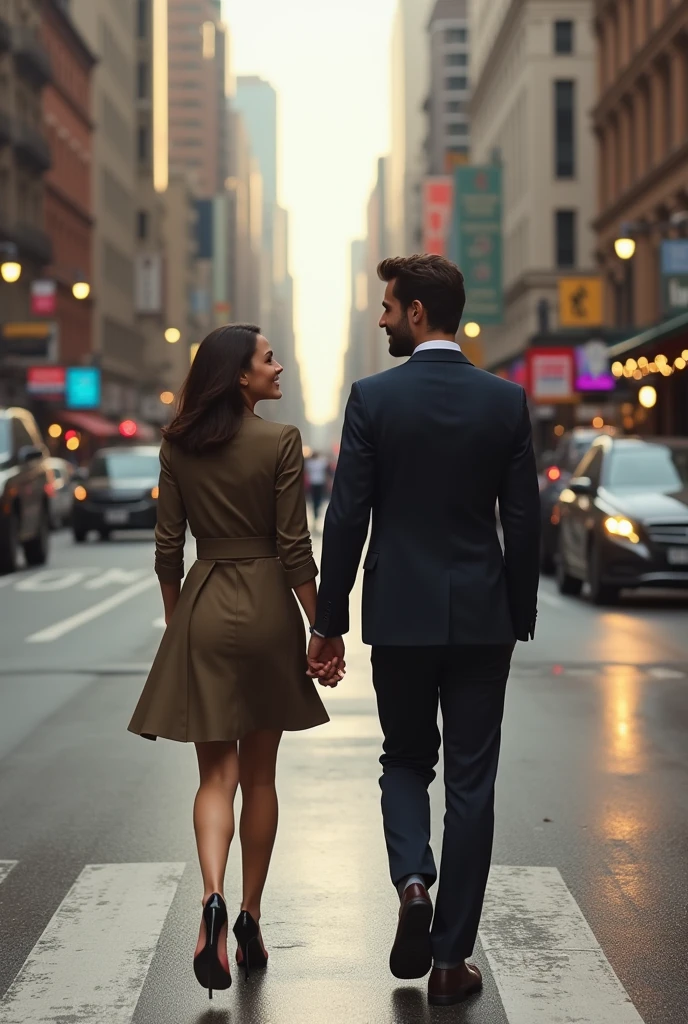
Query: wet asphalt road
point(593, 784)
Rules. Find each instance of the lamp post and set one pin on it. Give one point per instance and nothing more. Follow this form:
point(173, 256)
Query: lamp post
point(10, 267)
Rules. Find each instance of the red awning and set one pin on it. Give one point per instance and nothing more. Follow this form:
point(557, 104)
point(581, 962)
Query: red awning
point(91, 422)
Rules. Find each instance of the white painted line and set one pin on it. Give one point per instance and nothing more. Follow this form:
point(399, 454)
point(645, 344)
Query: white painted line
point(551, 599)
point(117, 577)
point(547, 964)
point(91, 962)
point(660, 672)
point(49, 580)
point(5, 868)
point(45, 636)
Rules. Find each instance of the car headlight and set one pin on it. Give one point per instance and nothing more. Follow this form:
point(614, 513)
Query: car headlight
point(80, 493)
point(619, 526)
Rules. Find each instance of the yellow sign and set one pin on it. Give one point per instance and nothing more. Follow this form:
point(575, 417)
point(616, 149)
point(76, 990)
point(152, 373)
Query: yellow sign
point(580, 302)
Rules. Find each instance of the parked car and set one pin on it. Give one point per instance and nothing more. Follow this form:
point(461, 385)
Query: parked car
point(26, 484)
point(624, 518)
point(118, 492)
point(557, 470)
point(63, 492)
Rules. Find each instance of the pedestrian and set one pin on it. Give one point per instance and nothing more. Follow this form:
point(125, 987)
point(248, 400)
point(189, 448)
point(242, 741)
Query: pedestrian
point(231, 672)
point(317, 470)
point(430, 447)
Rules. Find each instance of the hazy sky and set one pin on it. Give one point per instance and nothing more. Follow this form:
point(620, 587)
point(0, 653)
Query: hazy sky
point(330, 65)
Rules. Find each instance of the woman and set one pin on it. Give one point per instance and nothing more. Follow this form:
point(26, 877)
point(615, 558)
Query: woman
point(231, 672)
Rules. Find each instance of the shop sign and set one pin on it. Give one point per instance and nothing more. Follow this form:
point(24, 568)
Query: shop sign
point(46, 381)
point(592, 368)
point(43, 298)
point(550, 375)
point(148, 283)
point(83, 386)
point(438, 198)
point(477, 240)
point(580, 302)
point(674, 274)
point(26, 344)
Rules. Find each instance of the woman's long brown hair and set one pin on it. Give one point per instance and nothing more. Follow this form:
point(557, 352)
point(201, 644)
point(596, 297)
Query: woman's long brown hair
point(211, 407)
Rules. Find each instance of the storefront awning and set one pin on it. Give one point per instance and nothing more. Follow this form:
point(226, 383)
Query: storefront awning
point(91, 422)
point(677, 327)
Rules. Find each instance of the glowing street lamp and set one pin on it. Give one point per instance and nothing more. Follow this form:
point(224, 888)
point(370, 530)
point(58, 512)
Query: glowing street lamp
point(647, 396)
point(10, 268)
point(81, 290)
point(624, 248)
point(172, 335)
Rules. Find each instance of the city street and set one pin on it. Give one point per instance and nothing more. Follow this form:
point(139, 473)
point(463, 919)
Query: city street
point(99, 886)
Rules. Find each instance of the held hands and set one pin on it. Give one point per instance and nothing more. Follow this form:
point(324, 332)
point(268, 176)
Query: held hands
point(326, 660)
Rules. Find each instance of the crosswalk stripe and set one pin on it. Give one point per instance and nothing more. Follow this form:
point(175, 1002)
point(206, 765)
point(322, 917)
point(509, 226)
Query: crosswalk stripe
point(547, 964)
point(91, 962)
point(5, 868)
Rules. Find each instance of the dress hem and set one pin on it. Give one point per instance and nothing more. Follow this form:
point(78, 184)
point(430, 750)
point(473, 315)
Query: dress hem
point(227, 739)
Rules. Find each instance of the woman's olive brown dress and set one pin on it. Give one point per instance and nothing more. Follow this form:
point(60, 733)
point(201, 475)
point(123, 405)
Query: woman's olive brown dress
point(233, 657)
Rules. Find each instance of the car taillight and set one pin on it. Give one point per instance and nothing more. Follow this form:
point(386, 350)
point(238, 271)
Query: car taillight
point(553, 474)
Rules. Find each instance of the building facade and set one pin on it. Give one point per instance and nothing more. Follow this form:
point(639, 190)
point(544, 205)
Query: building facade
point(25, 70)
point(410, 79)
point(448, 140)
point(68, 185)
point(532, 82)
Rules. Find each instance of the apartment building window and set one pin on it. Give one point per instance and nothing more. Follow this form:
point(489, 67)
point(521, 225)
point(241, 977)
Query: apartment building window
point(457, 129)
point(142, 80)
point(563, 37)
point(456, 35)
point(141, 19)
point(455, 106)
point(142, 225)
point(456, 82)
point(565, 238)
point(457, 60)
point(564, 129)
point(143, 139)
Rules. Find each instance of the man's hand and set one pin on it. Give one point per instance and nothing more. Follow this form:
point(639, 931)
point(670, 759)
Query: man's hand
point(326, 660)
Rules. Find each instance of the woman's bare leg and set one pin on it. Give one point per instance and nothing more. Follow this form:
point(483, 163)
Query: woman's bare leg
point(258, 826)
point(218, 765)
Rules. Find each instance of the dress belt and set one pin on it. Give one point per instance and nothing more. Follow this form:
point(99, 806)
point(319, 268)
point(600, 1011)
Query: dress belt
point(233, 549)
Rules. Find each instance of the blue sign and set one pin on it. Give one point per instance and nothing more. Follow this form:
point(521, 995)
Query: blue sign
point(675, 256)
point(82, 389)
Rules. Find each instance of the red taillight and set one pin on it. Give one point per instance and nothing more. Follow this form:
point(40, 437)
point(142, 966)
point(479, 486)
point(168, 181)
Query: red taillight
point(128, 428)
point(553, 474)
point(50, 489)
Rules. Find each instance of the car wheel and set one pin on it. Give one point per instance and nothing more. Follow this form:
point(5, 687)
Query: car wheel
point(79, 535)
point(569, 586)
point(600, 593)
point(104, 534)
point(9, 544)
point(36, 550)
point(548, 563)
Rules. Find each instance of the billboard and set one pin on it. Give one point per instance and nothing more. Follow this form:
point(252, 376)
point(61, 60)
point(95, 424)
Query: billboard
point(46, 381)
point(82, 387)
point(580, 302)
point(43, 298)
point(477, 240)
point(674, 274)
point(438, 198)
point(550, 375)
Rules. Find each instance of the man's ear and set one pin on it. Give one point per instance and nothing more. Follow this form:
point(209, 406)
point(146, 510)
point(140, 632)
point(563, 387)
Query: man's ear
point(417, 311)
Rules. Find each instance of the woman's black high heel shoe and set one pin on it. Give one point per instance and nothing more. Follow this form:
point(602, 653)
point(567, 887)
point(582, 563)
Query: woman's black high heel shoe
point(248, 936)
point(209, 971)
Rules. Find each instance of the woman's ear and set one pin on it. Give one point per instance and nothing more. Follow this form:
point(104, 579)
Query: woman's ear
point(243, 381)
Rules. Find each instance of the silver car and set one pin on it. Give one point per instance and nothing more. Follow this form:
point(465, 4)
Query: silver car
point(62, 497)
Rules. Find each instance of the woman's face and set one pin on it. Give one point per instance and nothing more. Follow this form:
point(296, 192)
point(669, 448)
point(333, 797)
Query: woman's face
point(261, 381)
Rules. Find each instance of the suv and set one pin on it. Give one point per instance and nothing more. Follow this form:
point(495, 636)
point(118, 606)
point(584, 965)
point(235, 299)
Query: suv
point(25, 489)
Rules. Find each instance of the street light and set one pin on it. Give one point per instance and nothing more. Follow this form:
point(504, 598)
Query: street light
point(81, 289)
point(624, 248)
point(172, 335)
point(472, 329)
point(10, 268)
point(167, 398)
point(647, 397)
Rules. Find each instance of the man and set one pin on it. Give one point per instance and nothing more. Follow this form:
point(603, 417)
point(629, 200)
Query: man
point(431, 447)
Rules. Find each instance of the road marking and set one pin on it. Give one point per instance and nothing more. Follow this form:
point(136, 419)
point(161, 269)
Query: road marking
point(660, 672)
point(5, 868)
point(547, 964)
point(116, 576)
point(91, 962)
point(551, 599)
point(49, 580)
point(45, 636)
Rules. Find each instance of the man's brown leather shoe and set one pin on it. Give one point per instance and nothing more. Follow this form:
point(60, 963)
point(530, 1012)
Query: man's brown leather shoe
point(448, 987)
point(411, 955)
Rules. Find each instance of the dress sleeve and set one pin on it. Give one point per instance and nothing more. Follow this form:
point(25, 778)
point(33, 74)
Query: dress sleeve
point(293, 539)
point(170, 531)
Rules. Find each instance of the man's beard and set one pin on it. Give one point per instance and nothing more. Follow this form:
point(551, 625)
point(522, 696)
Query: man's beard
point(401, 340)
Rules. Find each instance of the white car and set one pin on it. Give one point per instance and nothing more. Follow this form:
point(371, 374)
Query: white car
point(62, 498)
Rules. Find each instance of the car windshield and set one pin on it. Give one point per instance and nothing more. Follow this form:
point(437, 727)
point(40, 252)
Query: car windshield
point(126, 466)
point(577, 450)
point(653, 467)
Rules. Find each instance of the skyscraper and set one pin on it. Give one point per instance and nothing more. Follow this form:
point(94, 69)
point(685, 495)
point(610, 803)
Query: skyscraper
point(448, 140)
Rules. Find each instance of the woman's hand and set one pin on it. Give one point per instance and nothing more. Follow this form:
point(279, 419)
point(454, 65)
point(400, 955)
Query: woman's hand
point(326, 660)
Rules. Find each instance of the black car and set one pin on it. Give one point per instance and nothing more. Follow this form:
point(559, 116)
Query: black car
point(25, 490)
point(119, 492)
point(624, 518)
point(557, 470)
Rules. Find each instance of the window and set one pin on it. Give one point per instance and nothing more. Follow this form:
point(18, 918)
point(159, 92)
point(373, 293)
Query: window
point(457, 129)
point(457, 60)
point(142, 143)
point(456, 35)
point(142, 225)
point(459, 82)
point(565, 233)
point(142, 19)
point(142, 80)
point(563, 37)
point(455, 107)
point(564, 129)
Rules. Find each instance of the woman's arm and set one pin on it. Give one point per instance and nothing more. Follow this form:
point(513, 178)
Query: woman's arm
point(170, 534)
point(170, 596)
point(307, 594)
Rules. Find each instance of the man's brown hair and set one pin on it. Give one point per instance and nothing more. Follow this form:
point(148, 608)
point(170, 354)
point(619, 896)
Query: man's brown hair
point(432, 280)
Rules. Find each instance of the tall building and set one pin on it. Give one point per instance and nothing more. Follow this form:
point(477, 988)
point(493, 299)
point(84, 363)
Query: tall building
point(69, 217)
point(24, 158)
point(375, 354)
point(354, 364)
point(109, 31)
point(410, 79)
point(532, 83)
point(448, 139)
